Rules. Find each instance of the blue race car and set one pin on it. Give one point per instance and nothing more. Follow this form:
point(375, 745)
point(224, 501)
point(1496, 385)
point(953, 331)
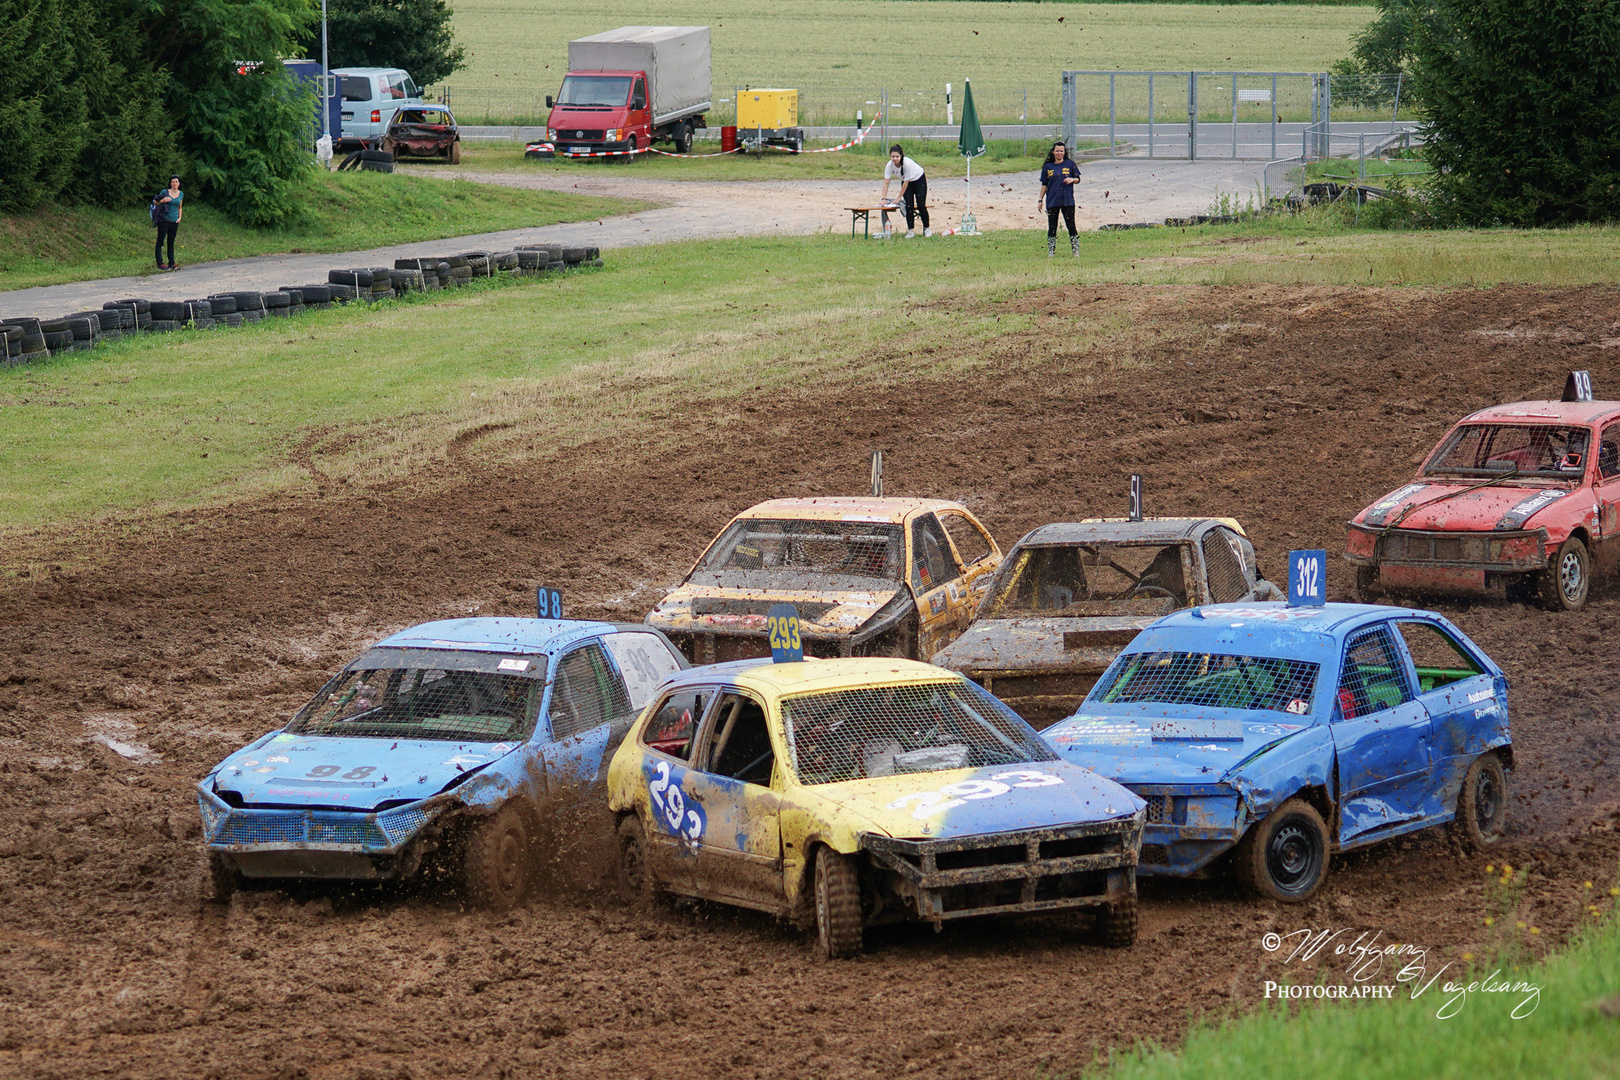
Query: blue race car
point(1283, 734)
point(444, 741)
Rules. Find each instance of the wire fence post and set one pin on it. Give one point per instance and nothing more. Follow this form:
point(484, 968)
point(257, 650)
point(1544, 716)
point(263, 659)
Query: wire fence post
point(1150, 114)
point(1111, 99)
point(1070, 109)
point(1234, 115)
point(1274, 117)
point(1025, 117)
point(1192, 116)
point(1394, 116)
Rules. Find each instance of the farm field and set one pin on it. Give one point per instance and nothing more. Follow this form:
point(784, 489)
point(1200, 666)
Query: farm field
point(840, 52)
point(145, 646)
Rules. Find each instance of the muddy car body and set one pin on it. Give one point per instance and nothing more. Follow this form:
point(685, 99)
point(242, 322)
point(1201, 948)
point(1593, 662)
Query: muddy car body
point(424, 131)
point(1282, 734)
point(447, 741)
point(869, 577)
point(1521, 500)
point(1070, 595)
point(846, 793)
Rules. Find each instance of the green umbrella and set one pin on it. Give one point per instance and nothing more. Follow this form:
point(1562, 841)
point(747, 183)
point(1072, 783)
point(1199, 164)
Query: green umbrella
point(971, 144)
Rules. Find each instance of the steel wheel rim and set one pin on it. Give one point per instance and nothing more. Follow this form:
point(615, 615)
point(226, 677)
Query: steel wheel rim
point(1487, 801)
point(1292, 857)
point(509, 864)
point(1570, 578)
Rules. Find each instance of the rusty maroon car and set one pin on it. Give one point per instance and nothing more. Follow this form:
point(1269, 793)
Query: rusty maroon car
point(424, 131)
point(1520, 500)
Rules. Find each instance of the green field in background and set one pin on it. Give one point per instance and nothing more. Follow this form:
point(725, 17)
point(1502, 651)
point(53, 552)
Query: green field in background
point(838, 53)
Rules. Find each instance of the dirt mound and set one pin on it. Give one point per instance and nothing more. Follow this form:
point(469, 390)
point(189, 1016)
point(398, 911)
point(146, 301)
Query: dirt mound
point(138, 656)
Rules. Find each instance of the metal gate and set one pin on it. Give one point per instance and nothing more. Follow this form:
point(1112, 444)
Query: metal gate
point(1239, 115)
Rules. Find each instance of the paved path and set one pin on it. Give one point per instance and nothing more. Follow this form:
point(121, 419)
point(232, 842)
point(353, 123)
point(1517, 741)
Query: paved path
point(1112, 190)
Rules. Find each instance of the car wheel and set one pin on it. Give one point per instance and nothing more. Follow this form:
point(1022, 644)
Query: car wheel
point(1367, 589)
point(223, 876)
point(1116, 923)
point(1285, 857)
point(838, 905)
point(455, 152)
point(1481, 804)
point(1568, 577)
point(637, 884)
point(496, 863)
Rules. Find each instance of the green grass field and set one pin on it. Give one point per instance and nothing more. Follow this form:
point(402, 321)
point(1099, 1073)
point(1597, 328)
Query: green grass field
point(838, 53)
point(1566, 1034)
point(341, 212)
point(179, 419)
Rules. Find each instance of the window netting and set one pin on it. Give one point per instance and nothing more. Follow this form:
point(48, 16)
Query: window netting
point(887, 730)
point(1212, 679)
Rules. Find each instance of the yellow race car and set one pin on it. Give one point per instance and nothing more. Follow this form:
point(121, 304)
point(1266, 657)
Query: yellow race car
point(869, 577)
point(847, 793)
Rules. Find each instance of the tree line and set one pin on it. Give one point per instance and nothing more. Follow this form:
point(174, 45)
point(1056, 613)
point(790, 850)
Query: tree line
point(105, 99)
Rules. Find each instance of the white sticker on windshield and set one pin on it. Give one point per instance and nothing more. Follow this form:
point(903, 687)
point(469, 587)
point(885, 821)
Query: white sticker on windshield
point(514, 665)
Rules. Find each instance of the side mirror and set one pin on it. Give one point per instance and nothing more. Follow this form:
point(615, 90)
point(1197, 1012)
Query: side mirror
point(549, 103)
point(639, 103)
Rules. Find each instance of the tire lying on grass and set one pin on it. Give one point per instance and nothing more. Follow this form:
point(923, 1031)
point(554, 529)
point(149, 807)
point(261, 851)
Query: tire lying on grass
point(358, 279)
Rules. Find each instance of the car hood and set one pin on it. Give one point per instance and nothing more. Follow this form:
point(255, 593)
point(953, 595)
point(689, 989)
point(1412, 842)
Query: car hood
point(357, 772)
point(926, 805)
point(720, 610)
point(1144, 750)
point(1084, 646)
point(1449, 506)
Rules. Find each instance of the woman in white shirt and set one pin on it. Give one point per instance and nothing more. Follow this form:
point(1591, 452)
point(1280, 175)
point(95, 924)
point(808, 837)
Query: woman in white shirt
point(913, 188)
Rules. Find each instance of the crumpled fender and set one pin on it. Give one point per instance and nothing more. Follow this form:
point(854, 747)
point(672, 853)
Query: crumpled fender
point(1267, 780)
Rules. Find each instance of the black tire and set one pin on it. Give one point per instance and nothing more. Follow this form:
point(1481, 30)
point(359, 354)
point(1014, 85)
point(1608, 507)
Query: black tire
point(316, 294)
point(497, 861)
point(838, 905)
point(54, 326)
point(1567, 580)
point(294, 294)
point(683, 138)
point(56, 341)
point(1482, 805)
point(1116, 923)
point(637, 883)
point(224, 879)
point(360, 279)
point(351, 162)
point(377, 166)
point(1285, 857)
point(84, 329)
point(277, 300)
point(573, 255)
point(376, 155)
point(455, 152)
point(163, 326)
point(248, 301)
point(223, 305)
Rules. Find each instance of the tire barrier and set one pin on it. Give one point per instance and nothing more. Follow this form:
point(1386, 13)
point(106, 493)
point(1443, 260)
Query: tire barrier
point(25, 340)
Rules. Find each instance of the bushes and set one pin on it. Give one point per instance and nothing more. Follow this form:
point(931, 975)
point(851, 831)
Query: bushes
point(1522, 105)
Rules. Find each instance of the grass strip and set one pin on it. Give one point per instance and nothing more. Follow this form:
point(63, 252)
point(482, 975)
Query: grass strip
point(340, 212)
point(377, 391)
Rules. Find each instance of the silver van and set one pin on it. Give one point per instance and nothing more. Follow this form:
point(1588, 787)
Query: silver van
point(370, 96)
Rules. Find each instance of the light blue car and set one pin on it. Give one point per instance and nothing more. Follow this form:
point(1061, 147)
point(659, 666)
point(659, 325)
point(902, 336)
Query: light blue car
point(1283, 734)
point(443, 744)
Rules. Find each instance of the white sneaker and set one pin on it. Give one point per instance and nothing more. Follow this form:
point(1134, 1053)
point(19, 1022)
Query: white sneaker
point(927, 233)
point(910, 233)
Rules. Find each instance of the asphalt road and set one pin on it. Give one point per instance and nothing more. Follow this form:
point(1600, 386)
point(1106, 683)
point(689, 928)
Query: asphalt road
point(1122, 189)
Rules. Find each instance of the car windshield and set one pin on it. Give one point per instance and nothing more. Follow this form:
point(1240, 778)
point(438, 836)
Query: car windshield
point(796, 553)
point(594, 90)
point(1079, 580)
point(449, 695)
point(1551, 450)
point(1214, 680)
point(888, 730)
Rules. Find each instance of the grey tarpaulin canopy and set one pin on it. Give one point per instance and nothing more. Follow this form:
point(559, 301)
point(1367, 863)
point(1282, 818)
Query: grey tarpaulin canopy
point(970, 142)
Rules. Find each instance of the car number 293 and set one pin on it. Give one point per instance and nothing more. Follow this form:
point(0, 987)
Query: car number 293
point(670, 806)
point(930, 803)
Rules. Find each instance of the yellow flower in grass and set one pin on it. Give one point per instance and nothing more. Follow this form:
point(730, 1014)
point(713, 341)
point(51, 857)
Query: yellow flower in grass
point(1588, 885)
point(1535, 929)
point(1468, 956)
point(1615, 891)
point(1489, 869)
point(1489, 921)
point(1523, 925)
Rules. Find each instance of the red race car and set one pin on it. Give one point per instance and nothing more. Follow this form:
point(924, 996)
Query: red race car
point(1519, 499)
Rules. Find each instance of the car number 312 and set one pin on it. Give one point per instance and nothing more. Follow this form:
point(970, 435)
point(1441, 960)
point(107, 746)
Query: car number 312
point(934, 802)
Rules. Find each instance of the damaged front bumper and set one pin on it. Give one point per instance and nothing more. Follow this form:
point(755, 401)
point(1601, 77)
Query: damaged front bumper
point(1187, 826)
point(1020, 872)
point(1446, 561)
point(263, 842)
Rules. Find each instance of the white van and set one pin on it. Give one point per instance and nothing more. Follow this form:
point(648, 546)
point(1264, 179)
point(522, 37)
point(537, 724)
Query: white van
point(370, 96)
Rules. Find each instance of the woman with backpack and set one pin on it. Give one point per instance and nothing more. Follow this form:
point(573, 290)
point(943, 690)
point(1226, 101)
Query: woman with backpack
point(166, 216)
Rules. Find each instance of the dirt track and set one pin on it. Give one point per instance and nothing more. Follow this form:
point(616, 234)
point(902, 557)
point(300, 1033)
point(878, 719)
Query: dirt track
point(177, 638)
